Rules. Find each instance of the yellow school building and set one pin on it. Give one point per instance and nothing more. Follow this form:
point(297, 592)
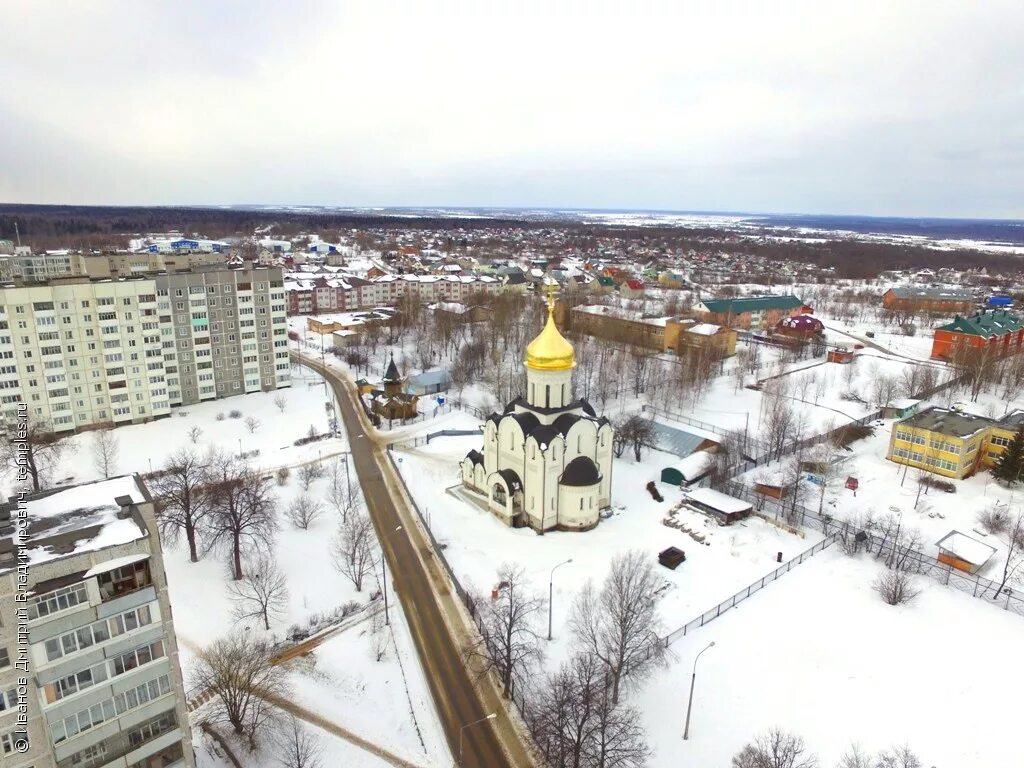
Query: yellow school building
point(951, 443)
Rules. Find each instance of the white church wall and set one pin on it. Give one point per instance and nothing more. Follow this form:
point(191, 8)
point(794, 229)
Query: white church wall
point(578, 506)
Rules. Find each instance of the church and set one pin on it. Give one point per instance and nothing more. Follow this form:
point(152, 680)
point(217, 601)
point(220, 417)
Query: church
point(547, 458)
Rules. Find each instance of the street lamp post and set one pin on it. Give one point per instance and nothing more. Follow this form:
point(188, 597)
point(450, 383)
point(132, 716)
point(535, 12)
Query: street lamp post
point(467, 725)
point(551, 591)
point(384, 575)
point(693, 680)
point(239, 447)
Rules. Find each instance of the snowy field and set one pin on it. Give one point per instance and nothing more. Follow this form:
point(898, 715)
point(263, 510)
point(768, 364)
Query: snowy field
point(145, 447)
point(819, 654)
point(476, 543)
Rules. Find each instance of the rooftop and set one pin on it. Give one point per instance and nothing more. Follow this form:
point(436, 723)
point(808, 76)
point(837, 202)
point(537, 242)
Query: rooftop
point(72, 520)
point(738, 306)
point(964, 547)
point(947, 422)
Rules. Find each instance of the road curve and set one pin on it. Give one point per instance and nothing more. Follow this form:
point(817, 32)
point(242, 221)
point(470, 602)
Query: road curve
point(420, 590)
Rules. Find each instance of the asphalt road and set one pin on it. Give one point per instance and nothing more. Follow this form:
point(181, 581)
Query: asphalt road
point(458, 701)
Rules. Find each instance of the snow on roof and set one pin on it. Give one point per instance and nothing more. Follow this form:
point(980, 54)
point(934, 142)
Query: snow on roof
point(904, 402)
point(720, 501)
point(82, 518)
point(112, 565)
point(965, 548)
point(704, 329)
point(695, 464)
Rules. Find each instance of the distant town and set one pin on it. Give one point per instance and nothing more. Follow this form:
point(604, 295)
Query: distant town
point(324, 488)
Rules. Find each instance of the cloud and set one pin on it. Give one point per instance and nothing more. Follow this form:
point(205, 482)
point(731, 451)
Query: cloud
point(890, 108)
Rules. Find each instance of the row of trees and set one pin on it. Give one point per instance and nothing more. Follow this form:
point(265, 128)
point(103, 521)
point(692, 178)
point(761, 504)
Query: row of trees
point(780, 749)
point(577, 715)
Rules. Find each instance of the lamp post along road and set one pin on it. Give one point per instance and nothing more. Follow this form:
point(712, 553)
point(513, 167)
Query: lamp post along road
point(462, 730)
point(551, 591)
point(693, 680)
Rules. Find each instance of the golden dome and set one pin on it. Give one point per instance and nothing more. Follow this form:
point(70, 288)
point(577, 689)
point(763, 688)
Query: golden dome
point(550, 351)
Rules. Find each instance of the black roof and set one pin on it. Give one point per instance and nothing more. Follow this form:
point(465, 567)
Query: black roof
point(391, 374)
point(564, 423)
point(511, 479)
point(581, 471)
point(527, 421)
point(475, 456)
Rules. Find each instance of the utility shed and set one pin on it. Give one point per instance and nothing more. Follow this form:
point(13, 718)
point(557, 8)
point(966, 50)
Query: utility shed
point(724, 508)
point(963, 552)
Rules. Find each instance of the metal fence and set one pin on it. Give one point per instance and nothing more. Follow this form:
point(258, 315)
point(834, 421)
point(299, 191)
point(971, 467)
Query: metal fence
point(914, 561)
point(731, 602)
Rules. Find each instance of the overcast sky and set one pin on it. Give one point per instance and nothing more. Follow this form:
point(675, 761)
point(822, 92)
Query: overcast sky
point(898, 108)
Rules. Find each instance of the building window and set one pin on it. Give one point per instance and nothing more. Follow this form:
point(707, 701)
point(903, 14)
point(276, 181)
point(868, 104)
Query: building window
point(57, 600)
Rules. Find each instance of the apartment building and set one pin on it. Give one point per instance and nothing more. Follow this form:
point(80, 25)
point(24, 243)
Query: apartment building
point(136, 263)
point(81, 352)
point(30, 267)
point(226, 332)
point(85, 623)
point(311, 293)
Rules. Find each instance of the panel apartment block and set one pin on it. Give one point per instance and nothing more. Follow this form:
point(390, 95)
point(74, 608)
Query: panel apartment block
point(104, 685)
point(81, 352)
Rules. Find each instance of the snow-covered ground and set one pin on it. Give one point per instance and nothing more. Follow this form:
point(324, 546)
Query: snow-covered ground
point(145, 447)
point(819, 654)
point(885, 487)
point(386, 702)
point(476, 543)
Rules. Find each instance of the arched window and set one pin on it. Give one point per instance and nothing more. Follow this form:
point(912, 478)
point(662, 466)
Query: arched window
point(547, 395)
point(581, 505)
point(564, 396)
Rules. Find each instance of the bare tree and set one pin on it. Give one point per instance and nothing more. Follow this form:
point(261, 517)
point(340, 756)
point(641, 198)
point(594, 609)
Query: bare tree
point(30, 450)
point(509, 644)
point(352, 548)
point(296, 747)
point(281, 402)
point(182, 498)
point(896, 587)
point(194, 433)
point(342, 493)
point(262, 591)
point(303, 511)
point(104, 451)
point(242, 508)
point(898, 757)
point(240, 673)
point(775, 749)
point(1014, 553)
point(855, 758)
point(637, 432)
point(619, 624)
point(252, 424)
point(574, 722)
point(308, 473)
